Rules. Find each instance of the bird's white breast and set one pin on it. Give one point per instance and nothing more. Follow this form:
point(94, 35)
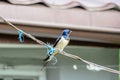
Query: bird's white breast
point(62, 44)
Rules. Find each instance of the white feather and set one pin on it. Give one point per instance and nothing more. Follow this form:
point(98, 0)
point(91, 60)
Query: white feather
point(62, 44)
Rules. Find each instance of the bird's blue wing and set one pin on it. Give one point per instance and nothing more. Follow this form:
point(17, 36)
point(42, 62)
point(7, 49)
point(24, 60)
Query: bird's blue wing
point(50, 49)
point(57, 41)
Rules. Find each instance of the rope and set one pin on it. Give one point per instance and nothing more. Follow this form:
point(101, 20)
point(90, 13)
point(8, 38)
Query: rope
point(89, 63)
point(50, 49)
point(20, 36)
point(28, 35)
point(54, 60)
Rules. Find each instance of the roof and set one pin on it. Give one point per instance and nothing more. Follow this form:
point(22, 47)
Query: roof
point(87, 4)
point(42, 15)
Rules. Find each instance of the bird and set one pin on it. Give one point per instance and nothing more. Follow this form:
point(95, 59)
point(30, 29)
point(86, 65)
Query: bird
point(61, 42)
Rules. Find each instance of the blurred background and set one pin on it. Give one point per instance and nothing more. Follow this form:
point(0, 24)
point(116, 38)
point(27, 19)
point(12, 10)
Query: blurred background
point(95, 37)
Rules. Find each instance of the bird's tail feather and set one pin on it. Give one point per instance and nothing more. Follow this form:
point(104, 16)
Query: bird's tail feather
point(46, 58)
point(44, 65)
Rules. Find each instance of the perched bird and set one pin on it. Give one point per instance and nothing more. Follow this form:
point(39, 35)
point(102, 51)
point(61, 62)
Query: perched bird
point(60, 43)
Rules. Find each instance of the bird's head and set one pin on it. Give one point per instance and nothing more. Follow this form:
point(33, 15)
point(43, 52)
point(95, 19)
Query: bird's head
point(66, 33)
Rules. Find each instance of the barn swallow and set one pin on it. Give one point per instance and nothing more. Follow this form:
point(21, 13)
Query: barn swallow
point(60, 43)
